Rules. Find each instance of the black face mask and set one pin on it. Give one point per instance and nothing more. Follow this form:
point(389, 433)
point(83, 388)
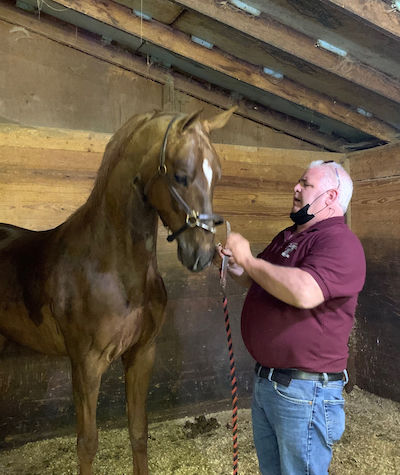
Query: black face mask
point(301, 216)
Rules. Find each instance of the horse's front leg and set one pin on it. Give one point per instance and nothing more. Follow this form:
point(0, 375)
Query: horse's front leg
point(138, 364)
point(86, 378)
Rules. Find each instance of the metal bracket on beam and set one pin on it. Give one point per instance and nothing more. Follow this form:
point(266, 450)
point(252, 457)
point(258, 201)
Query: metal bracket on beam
point(106, 40)
point(25, 6)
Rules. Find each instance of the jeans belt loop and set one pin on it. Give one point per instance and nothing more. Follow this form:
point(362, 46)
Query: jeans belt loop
point(346, 377)
point(326, 379)
point(271, 372)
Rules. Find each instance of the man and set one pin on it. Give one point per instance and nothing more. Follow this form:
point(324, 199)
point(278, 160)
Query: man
point(296, 321)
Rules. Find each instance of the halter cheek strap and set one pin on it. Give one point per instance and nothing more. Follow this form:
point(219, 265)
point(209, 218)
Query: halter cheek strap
point(193, 218)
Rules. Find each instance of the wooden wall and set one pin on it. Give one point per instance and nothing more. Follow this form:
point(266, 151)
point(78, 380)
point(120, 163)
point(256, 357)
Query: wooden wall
point(45, 174)
point(56, 76)
point(376, 220)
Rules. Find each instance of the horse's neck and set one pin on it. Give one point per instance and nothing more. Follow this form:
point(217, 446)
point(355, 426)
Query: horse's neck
point(120, 217)
point(117, 212)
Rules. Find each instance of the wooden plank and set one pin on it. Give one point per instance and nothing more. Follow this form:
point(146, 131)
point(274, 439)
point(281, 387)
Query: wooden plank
point(279, 123)
point(376, 209)
point(379, 162)
point(267, 155)
point(240, 130)
point(335, 26)
point(378, 317)
point(75, 39)
point(50, 172)
point(379, 14)
point(79, 91)
point(290, 41)
point(313, 77)
point(376, 221)
point(161, 10)
point(178, 43)
point(12, 135)
point(40, 187)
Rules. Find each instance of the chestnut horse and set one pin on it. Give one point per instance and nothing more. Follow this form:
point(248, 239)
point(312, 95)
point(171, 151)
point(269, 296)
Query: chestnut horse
point(90, 288)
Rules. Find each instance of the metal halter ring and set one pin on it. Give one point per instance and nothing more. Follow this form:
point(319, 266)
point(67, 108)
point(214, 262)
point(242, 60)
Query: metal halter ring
point(162, 169)
point(192, 219)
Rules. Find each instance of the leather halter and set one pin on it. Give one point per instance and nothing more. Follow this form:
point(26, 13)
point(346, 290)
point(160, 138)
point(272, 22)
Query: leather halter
point(193, 218)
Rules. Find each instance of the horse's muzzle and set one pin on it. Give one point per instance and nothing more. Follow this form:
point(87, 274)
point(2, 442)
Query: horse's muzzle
point(194, 257)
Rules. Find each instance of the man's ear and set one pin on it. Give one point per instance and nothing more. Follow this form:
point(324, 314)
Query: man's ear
point(333, 195)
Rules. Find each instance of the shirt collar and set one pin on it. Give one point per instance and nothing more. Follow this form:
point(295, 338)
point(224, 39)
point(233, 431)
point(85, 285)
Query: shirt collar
point(325, 223)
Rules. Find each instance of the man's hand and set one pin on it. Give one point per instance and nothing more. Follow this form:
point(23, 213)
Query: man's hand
point(220, 252)
point(240, 248)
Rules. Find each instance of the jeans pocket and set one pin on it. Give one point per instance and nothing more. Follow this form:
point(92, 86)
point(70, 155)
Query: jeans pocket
point(298, 392)
point(334, 419)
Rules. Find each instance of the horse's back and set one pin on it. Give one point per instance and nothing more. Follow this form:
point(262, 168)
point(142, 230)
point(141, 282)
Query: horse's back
point(10, 234)
point(25, 316)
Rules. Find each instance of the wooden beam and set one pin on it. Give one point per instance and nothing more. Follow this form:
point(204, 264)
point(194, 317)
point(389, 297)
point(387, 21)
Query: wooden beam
point(178, 43)
point(377, 13)
point(298, 45)
point(121, 58)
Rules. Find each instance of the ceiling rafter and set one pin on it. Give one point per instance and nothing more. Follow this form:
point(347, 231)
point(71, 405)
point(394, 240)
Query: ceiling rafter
point(121, 58)
point(377, 13)
point(298, 45)
point(120, 17)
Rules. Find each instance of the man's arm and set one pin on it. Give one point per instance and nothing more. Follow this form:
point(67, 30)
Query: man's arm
point(289, 284)
point(239, 275)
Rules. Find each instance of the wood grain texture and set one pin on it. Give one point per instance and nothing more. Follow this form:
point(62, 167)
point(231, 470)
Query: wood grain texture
point(16, 26)
point(292, 45)
point(180, 44)
point(380, 162)
point(376, 220)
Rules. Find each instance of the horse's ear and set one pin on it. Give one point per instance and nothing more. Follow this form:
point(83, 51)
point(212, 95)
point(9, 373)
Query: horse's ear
point(219, 121)
point(188, 120)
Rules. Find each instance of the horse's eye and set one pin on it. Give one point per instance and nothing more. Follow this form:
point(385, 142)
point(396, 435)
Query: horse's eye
point(181, 179)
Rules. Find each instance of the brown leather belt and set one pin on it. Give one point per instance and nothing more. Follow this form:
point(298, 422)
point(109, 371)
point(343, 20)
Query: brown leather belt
point(284, 376)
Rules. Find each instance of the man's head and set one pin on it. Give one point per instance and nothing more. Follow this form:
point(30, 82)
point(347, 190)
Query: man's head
point(326, 187)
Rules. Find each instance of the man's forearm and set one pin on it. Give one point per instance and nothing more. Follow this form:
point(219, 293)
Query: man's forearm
point(289, 284)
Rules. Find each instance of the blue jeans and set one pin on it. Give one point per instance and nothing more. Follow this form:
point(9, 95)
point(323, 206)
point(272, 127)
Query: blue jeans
point(295, 427)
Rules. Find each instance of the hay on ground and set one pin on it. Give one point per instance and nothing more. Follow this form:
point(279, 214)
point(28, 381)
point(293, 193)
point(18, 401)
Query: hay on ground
point(370, 445)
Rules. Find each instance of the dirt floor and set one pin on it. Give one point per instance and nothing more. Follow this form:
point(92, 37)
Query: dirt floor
point(203, 445)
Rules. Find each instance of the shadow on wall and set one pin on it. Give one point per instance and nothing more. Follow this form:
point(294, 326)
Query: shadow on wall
point(378, 321)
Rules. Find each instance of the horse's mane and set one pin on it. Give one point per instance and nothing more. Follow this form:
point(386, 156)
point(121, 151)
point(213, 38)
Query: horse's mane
point(112, 151)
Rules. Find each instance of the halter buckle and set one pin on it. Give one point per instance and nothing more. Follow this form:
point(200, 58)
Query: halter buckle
point(192, 219)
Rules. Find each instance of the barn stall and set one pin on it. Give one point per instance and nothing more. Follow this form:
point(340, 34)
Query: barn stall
point(311, 80)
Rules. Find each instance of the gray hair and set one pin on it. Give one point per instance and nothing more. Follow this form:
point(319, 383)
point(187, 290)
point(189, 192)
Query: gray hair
point(336, 177)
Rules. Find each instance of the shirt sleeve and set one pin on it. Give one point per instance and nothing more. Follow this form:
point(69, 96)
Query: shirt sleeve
point(337, 263)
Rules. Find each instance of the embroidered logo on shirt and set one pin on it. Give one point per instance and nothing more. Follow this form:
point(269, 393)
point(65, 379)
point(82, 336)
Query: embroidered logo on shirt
point(289, 249)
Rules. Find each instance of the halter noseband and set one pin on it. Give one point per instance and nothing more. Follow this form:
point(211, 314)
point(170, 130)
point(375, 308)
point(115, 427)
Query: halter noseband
point(193, 217)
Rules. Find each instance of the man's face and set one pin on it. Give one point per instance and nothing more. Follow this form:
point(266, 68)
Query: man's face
point(307, 189)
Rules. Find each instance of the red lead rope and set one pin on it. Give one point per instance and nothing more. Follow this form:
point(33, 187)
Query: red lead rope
point(233, 384)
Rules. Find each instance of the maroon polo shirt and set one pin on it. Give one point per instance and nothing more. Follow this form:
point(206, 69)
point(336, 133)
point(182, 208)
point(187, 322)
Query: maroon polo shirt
point(278, 335)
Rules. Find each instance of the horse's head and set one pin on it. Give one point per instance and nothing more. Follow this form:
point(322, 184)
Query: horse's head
point(182, 188)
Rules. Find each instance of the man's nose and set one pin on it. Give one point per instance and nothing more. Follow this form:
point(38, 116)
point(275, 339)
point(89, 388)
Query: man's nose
point(297, 188)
